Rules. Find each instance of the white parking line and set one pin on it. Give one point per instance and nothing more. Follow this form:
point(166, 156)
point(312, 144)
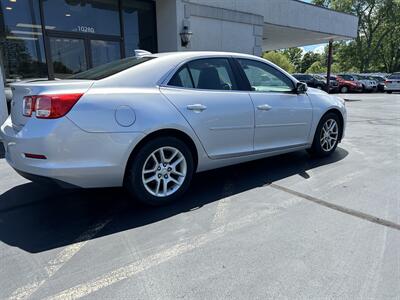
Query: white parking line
point(146, 263)
point(55, 264)
point(220, 211)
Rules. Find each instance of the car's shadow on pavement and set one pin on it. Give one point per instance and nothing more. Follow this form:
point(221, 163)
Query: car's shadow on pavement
point(38, 217)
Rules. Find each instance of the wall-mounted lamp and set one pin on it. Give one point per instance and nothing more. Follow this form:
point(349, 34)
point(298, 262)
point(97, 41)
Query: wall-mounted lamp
point(186, 35)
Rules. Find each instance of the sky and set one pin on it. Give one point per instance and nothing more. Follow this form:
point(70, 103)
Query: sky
point(314, 48)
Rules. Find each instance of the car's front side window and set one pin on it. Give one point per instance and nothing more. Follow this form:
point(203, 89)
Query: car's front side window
point(264, 78)
point(207, 74)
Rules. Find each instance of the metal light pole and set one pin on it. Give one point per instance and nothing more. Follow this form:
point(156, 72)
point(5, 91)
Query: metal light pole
point(328, 72)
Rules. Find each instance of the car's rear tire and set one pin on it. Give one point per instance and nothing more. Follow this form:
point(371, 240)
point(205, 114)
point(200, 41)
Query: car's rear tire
point(327, 135)
point(160, 171)
point(389, 92)
point(344, 89)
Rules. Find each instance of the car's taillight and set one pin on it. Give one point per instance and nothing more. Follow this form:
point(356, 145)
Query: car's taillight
point(28, 106)
point(49, 106)
point(387, 81)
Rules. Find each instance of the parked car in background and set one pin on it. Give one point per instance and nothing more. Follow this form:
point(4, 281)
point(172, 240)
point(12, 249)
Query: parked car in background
point(314, 81)
point(380, 80)
point(317, 81)
point(348, 83)
point(333, 83)
point(369, 84)
point(150, 122)
point(366, 85)
point(392, 83)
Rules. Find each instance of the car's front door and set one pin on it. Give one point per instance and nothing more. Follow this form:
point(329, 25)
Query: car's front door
point(205, 92)
point(282, 117)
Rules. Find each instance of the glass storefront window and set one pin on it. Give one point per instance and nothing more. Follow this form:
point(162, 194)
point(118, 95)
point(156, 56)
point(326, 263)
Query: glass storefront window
point(21, 40)
point(83, 16)
point(68, 56)
point(139, 26)
point(78, 35)
point(104, 52)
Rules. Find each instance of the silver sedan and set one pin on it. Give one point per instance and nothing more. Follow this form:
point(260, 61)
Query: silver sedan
point(150, 122)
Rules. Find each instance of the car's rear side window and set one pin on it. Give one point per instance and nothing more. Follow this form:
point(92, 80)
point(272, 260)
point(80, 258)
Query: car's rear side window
point(207, 74)
point(182, 78)
point(110, 68)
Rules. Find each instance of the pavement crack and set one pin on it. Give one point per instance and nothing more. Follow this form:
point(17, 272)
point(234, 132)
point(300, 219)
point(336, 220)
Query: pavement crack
point(340, 208)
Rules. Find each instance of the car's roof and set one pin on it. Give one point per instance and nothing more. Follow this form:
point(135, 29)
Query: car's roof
point(194, 54)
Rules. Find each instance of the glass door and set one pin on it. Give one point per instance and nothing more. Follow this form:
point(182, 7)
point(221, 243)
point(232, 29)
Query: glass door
point(70, 55)
point(67, 56)
point(103, 52)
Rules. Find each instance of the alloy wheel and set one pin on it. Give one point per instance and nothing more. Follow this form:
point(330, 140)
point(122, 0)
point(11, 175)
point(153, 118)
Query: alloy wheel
point(329, 135)
point(164, 171)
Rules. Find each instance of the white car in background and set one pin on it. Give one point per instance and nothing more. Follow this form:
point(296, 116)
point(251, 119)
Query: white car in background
point(369, 84)
point(150, 122)
point(392, 83)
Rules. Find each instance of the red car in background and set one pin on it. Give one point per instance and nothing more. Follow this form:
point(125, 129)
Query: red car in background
point(348, 84)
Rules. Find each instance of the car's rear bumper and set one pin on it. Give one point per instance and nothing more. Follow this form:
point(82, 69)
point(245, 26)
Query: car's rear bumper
point(72, 155)
point(392, 89)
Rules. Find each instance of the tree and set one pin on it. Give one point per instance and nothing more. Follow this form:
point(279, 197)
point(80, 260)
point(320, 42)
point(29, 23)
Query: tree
point(295, 56)
point(279, 59)
point(378, 30)
point(316, 68)
point(308, 59)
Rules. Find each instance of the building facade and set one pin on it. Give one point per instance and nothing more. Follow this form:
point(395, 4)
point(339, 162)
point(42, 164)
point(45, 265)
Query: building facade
point(56, 38)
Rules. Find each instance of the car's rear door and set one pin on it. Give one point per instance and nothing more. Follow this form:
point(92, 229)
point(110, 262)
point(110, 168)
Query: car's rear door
point(206, 93)
point(282, 117)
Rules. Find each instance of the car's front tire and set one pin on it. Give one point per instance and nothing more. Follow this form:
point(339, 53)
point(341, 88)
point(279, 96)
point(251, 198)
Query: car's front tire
point(327, 135)
point(160, 171)
point(344, 89)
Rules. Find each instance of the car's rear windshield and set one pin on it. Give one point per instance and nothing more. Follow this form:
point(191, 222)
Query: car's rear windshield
point(110, 68)
point(394, 76)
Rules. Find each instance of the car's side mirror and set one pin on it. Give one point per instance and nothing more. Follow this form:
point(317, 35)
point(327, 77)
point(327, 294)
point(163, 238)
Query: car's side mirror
point(301, 88)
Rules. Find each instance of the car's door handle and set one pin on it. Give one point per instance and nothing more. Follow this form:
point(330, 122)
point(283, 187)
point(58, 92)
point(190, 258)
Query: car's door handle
point(264, 107)
point(196, 107)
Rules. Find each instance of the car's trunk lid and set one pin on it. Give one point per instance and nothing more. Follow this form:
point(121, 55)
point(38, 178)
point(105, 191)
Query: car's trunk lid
point(41, 87)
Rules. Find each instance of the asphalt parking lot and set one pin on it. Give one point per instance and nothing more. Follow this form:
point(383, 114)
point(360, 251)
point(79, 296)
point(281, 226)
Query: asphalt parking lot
point(289, 226)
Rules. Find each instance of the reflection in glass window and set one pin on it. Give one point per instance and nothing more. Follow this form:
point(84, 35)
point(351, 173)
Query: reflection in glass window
point(21, 40)
point(84, 16)
point(264, 78)
point(68, 56)
point(139, 26)
point(104, 51)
